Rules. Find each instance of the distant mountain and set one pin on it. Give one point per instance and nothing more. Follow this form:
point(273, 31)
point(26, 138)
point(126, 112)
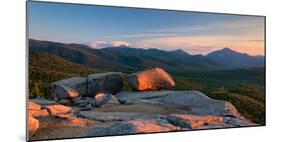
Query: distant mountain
point(128, 59)
point(233, 59)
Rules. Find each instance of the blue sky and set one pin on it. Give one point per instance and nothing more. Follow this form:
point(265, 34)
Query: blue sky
point(98, 27)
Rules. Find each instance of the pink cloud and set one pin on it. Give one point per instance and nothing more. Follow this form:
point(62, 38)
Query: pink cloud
point(97, 44)
point(103, 44)
point(120, 43)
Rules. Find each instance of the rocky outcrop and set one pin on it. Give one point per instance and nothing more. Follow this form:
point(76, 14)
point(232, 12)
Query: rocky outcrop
point(39, 113)
point(96, 107)
point(116, 116)
point(102, 99)
point(110, 82)
point(133, 127)
point(153, 79)
point(78, 84)
point(73, 121)
point(43, 102)
point(33, 106)
point(61, 91)
point(84, 101)
point(58, 109)
point(89, 86)
point(33, 125)
point(193, 102)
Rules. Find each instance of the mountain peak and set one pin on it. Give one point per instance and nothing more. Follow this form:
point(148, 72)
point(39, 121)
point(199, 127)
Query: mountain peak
point(227, 49)
point(179, 51)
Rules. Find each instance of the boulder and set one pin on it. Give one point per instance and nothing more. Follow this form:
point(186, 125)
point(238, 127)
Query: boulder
point(33, 106)
point(64, 102)
point(83, 101)
point(102, 99)
point(79, 84)
point(38, 113)
point(43, 102)
point(61, 91)
point(153, 79)
point(58, 109)
point(33, 125)
point(110, 82)
point(193, 102)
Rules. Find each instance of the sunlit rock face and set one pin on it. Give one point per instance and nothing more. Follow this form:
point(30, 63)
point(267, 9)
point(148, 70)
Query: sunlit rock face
point(74, 121)
point(150, 126)
point(153, 79)
point(58, 109)
point(33, 106)
point(33, 125)
point(39, 113)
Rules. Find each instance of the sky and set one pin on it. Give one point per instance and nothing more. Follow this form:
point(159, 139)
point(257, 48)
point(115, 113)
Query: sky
point(100, 27)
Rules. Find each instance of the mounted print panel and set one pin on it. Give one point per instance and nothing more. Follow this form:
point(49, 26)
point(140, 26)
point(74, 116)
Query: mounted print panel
point(105, 71)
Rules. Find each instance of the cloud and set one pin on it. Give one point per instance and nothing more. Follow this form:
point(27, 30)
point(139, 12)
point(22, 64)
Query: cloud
point(119, 43)
point(103, 44)
point(98, 44)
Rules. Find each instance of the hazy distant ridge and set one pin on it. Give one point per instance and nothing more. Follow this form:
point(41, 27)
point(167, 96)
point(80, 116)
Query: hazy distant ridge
point(130, 59)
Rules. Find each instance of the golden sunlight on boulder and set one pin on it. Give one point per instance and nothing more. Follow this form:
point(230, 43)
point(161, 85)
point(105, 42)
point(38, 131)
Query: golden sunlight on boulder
point(74, 121)
point(33, 106)
point(33, 125)
point(58, 109)
point(39, 113)
point(153, 79)
point(149, 126)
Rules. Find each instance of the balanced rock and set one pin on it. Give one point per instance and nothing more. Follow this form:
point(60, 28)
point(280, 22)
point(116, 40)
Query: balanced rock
point(153, 79)
point(102, 99)
point(33, 125)
point(58, 109)
point(110, 82)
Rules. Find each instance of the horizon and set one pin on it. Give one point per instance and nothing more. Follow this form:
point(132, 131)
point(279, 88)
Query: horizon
point(146, 48)
point(192, 32)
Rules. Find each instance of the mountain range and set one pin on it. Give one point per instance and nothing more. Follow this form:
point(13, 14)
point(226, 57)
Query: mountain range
point(129, 59)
